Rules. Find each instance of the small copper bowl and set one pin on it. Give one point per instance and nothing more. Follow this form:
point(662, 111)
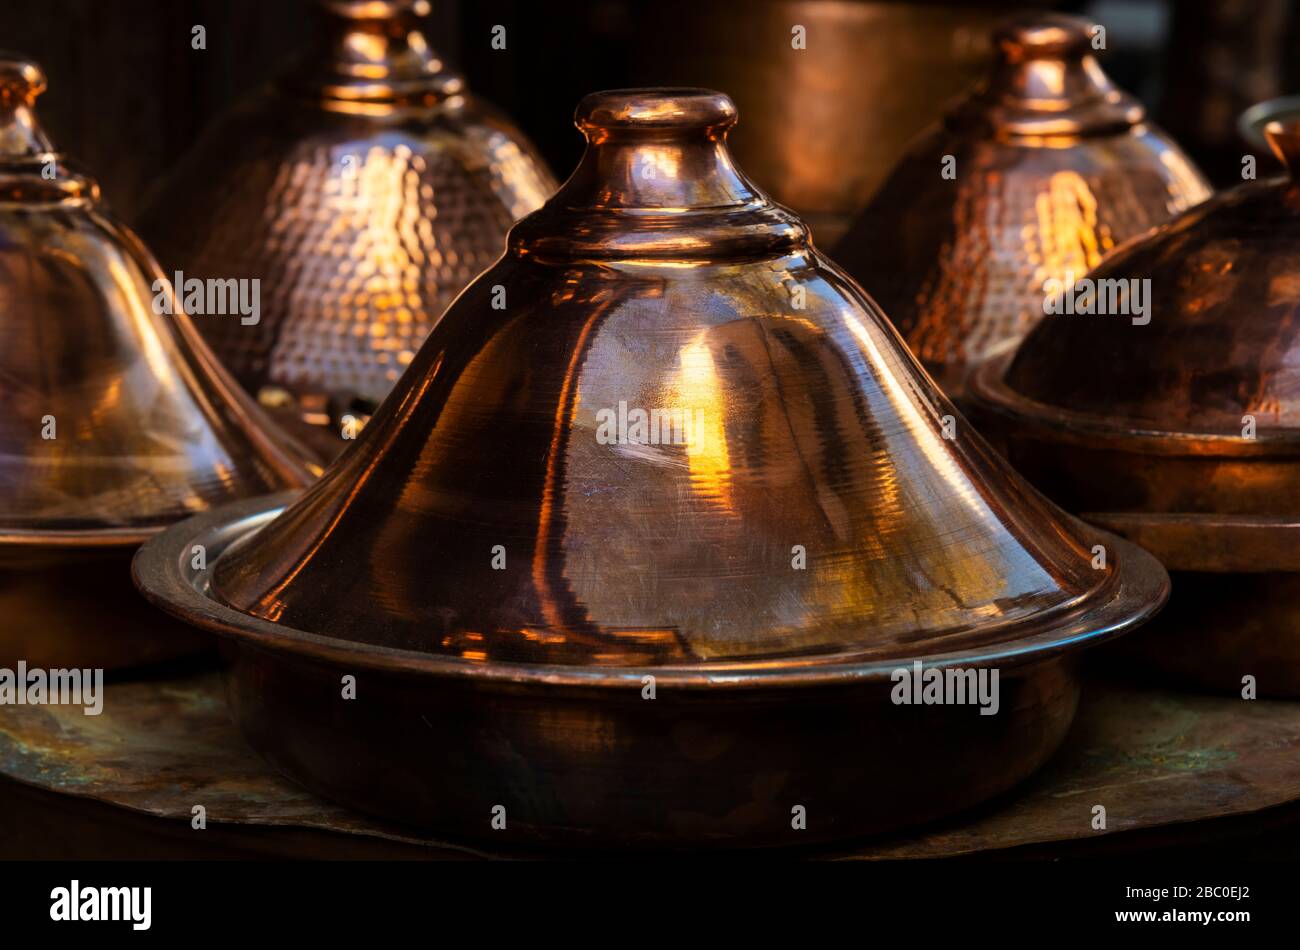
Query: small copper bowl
point(1033, 178)
point(118, 419)
point(616, 638)
point(1179, 427)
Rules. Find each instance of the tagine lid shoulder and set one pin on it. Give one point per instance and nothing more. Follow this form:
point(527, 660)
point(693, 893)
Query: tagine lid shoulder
point(1209, 339)
point(800, 514)
point(118, 420)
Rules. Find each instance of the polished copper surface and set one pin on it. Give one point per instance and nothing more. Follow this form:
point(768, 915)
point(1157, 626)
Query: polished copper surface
point(1181, 431)
point(826, 119)
point(1052, 167)
point(483, 530)
point(364, 191)
point(118, 419)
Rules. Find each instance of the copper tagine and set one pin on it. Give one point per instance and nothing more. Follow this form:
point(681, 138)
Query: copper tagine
point(635, 556)
point(364, 191)
point(1034, 177)
point(118, 420)
point(1175, 419)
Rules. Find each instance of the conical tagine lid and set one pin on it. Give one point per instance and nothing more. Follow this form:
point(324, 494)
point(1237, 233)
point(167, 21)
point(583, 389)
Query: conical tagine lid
point(364, 189)
point(664, 430)
point(117, 419)
point(1038, 174)
point(1190, 330)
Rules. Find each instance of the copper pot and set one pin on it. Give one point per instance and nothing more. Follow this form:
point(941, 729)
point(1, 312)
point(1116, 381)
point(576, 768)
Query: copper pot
point(1037, 175)
point(1178, 426)
point(118, 420)
point(364, 190)
point(827, 116)
point(507, 560)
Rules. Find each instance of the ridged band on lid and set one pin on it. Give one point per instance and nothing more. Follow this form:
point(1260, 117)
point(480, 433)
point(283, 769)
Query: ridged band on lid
point(1046, 81)
point(657, 181)
point(31, 169)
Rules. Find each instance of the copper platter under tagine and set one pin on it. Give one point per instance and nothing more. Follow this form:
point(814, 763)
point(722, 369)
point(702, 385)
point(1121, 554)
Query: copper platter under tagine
point(363, 190)
point(637, 558)
point(117, 422)
point(1176, 422)
point(1035, 176)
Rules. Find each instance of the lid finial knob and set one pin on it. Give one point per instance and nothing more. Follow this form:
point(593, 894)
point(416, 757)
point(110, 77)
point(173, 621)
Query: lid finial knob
point(21, 138)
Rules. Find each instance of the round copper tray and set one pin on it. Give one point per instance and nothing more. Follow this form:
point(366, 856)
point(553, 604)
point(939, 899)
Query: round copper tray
point(724, 754)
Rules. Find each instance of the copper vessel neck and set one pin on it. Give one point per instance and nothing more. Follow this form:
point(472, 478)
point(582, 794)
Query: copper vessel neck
point(376, 60)
point(31, 169)
point(657, 180)
point(1284, 139)
point(1046, 81)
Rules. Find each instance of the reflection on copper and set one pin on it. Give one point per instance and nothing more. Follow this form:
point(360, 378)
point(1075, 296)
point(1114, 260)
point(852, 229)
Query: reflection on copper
point(1182, 429)
point(1072, 241)
point(1054, 167)
point(117, 419)
point(556, 609)
point(364, 192)
point(701, 401)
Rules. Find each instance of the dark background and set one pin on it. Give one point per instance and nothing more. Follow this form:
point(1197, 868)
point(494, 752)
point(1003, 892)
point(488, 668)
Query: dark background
point(128, 94)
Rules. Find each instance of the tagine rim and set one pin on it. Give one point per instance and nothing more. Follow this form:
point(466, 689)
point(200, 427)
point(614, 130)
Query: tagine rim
point(988, 388)
point(1139, 591)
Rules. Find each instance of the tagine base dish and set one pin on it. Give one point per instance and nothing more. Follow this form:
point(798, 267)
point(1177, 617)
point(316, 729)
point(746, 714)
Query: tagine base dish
point(579, 756)
point(1220, 628)
point(1236, 577)
point(1112, 474)
point(1167, 766)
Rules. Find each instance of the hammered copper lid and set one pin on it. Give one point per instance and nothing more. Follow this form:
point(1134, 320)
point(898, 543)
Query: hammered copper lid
point(1163, 401)
point(1218, 338)
point(117, 418)
point(795, 503)
point(1038, 174)
point(365, 190)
